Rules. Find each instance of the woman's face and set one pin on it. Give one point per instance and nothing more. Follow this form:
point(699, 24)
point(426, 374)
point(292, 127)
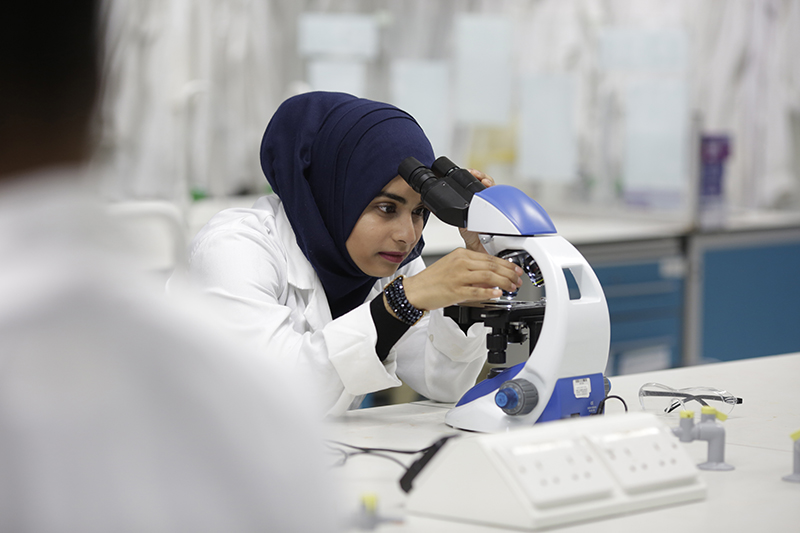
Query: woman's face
point(387, 230)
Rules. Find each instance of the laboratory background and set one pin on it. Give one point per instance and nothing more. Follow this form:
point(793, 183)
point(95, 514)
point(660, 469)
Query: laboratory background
point(662, 136)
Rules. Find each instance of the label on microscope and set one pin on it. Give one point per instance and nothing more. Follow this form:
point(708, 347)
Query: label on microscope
point(582, 387)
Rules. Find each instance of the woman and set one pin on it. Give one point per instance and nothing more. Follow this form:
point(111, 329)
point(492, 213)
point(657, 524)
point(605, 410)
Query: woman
point(302, 274)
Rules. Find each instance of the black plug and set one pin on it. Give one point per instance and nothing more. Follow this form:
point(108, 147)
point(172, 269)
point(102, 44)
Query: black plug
point(417, 466)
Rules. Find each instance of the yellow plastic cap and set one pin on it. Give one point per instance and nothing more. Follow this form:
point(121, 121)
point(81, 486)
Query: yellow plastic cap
point(369, 501)
point(795, 435)
point(708, 410)
point(687, 414)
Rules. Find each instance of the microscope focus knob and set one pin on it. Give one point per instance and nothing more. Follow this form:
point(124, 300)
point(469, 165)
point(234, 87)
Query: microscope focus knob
point(517, 397)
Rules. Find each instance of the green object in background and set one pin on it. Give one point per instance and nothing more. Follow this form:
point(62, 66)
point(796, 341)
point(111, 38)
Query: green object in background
point(198, 194)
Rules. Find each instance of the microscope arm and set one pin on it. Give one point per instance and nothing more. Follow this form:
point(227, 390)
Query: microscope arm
point(573, 341)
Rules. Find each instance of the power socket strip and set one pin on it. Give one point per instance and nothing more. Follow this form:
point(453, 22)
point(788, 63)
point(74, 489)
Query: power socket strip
point(645, 460)
point(558, 472)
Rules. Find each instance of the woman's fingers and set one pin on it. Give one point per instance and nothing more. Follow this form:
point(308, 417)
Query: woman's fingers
point(487, 180)
point(492, 279)
point(472, 240)
point(491, 271)
point(474, 294)
point(462, 276)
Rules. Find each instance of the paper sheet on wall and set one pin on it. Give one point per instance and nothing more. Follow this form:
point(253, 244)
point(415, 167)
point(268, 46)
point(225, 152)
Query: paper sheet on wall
point(547, 140)
point(422, 88)
point(338, 75)
point(483, 69)
point(656, 134)
point(634, 49)
point(343, 35)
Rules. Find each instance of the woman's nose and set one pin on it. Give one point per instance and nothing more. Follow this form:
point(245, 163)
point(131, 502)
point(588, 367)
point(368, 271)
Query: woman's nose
point(405, 231)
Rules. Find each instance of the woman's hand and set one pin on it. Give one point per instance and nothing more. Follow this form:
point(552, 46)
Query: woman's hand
point(471, 239)
point(461, 276)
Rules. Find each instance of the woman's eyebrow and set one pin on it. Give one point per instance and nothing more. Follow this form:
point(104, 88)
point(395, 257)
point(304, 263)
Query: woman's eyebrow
point(395, 197)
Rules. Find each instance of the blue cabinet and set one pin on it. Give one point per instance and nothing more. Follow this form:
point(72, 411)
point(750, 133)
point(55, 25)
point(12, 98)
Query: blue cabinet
point(745, 295)
point(644, 286)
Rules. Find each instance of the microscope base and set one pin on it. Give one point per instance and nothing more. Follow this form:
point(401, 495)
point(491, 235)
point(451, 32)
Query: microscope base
point(571, 397)
point(577, 396)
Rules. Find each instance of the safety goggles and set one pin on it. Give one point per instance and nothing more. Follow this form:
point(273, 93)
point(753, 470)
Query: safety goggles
point(661, 399)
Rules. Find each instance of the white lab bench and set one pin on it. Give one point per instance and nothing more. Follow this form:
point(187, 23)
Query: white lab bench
point(753, 497)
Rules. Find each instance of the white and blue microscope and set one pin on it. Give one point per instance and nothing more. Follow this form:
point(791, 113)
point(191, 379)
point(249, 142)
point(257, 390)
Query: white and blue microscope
point(563, 376)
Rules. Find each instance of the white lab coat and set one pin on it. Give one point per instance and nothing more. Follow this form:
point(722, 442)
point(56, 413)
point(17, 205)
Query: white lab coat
point(119, 412)
point(270, 295)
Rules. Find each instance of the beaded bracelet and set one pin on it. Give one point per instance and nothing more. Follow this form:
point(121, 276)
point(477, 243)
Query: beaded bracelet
point(396, 297)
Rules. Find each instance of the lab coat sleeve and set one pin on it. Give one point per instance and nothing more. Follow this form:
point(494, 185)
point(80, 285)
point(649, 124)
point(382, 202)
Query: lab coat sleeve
point(332, 361)
point(436, 358)
point(350, 340)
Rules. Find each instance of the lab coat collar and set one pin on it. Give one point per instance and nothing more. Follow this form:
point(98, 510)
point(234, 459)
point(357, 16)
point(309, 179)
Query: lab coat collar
point(301, 275)
point(300, 272)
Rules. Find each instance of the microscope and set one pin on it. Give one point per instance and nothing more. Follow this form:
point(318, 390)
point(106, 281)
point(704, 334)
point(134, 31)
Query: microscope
point(568, 336)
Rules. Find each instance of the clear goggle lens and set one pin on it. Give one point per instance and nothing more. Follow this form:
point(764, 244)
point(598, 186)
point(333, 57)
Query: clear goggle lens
point(661, 399)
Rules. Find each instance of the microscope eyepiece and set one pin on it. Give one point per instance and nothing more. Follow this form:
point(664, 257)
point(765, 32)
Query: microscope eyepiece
point(417, 175)
point(444, 168)
point(445, 201)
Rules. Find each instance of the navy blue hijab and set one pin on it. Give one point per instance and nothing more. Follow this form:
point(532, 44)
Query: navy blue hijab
point(327, 156)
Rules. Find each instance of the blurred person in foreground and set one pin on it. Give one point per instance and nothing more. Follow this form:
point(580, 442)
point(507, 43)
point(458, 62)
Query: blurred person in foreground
point(117, 413)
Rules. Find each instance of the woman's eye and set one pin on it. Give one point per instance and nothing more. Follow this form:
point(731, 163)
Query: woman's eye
point(420, 211)
point(387, 208)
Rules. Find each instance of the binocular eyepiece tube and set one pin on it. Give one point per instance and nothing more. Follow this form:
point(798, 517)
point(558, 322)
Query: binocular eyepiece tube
point(446, 190)
point(417, 175)
point(445, 168)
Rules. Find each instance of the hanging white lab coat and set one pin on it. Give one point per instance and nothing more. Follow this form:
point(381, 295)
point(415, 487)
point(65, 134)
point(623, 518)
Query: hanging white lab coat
point(119, 412)
point(268, 293)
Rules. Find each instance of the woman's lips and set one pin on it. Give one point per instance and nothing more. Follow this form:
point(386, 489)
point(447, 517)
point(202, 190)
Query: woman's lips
point(394, 257)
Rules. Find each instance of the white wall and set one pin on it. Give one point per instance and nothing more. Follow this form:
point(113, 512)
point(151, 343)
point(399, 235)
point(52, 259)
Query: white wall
point(192, 83)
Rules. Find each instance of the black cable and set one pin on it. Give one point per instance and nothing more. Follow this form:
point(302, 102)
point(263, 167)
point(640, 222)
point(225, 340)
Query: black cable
point(388, 450)
point(602, 405)
point(348, 455)
point(417, 466)
point(345, 455)
point(377, 452)
point(409, 472)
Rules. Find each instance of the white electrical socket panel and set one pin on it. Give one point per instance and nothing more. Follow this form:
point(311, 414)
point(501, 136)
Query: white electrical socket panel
point(645, 459)
point(558, 472)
